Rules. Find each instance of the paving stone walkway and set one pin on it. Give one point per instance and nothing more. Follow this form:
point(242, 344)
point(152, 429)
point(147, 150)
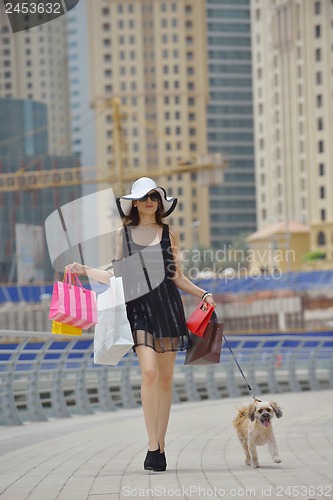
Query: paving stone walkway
point(100, 457)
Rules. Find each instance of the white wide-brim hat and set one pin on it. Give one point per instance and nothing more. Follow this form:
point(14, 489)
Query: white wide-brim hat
point(139, 189)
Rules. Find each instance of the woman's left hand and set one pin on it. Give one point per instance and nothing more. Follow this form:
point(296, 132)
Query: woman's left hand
point(210, 301)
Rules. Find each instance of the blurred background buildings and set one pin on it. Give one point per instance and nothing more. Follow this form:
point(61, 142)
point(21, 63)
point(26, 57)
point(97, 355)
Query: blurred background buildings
point(133, 87)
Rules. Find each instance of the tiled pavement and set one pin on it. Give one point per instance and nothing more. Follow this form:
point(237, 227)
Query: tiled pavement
point(100, 457)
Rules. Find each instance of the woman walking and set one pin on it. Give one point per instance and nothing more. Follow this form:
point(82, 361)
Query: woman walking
point(157, 318)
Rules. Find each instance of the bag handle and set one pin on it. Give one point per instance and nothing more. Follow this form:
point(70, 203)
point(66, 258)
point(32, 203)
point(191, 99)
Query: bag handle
point(70, 279)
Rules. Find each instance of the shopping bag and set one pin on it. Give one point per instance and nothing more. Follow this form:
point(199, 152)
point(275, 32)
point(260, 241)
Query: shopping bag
point(199, 319)
point(64, 329)
point(113, 335)
point(72, 304)
point(205, 350)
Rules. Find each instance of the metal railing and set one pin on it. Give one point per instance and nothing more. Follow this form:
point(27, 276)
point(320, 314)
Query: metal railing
point(43, 376)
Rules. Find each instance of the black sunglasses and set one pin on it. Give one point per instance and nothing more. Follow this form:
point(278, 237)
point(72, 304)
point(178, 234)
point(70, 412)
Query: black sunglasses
point(152, 196)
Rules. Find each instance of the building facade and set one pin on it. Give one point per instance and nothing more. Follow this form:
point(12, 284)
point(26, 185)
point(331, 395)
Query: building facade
point(82, 115)
point(230, 119)
point(152, 56)
point(33, 65)
point(19, 148)
point(293, 103)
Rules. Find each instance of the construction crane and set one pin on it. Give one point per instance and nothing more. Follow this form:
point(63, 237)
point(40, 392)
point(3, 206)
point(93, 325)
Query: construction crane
point(209, 167)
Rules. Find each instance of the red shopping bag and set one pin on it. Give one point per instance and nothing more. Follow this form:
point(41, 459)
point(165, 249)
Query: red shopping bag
point(72, 304)
point(199, 319)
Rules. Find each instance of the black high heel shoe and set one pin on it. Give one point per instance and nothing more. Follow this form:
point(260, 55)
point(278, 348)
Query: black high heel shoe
point(162, 462)
point(152, 460)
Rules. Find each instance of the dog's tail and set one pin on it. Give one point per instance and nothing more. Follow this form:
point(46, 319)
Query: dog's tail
point(242, 414)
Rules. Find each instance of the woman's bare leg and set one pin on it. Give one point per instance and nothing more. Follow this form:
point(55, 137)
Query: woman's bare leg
point(165, 363)
point(149, 392)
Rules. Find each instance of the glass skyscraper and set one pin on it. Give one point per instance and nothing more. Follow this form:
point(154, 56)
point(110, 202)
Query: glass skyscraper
point(230, 121)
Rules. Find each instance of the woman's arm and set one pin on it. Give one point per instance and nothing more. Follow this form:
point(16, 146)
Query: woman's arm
point(98, 274)
point(180, 280)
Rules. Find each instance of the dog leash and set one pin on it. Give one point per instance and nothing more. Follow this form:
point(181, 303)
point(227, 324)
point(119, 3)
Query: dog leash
point(241, 371)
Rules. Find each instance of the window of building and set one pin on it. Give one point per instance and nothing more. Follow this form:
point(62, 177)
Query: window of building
point(319, 101)
point(317, 7)
point(320, 146)
point(188, 9)
point(321, 169)
point(320, 124)
point(105, 11)
point(323, 215)
point(318, 77)
point(322, 192)
point(318, 55)
point(321, 240)
point(189, 56)
point(318, 31)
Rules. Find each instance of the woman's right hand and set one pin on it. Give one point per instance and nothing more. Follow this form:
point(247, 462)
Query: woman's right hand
point(76, 268)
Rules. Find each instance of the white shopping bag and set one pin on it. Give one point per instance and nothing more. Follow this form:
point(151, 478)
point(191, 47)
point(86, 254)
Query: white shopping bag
point(113, 336)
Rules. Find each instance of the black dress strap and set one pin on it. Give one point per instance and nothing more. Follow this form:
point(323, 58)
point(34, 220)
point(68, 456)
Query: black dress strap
point(127, 240)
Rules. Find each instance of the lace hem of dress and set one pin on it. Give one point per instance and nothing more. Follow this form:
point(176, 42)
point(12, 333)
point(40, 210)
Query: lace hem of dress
point(158, 344)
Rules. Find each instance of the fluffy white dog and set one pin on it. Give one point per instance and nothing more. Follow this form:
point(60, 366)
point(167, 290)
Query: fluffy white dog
point(254, 428)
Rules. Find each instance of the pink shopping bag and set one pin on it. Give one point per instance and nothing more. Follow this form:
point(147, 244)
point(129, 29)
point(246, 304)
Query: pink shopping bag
point(72, 304)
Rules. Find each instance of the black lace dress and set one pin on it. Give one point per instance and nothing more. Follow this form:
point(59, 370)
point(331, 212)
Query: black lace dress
point(156, 316)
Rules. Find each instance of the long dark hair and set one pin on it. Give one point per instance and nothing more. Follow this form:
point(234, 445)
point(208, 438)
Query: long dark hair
point(133, 217)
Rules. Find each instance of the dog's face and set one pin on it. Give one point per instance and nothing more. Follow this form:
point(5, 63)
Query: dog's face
point(263, 412)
